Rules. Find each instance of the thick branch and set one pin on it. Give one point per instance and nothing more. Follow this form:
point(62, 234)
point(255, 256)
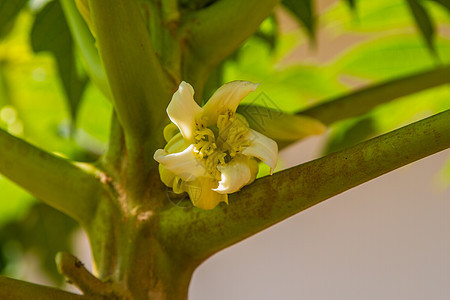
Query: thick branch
point(86, 44)
point(69, 187)
point(274, 198)
point(364, 100)
point(217, 31)
point(12, 289)
point(137, 80)
point(140, 87)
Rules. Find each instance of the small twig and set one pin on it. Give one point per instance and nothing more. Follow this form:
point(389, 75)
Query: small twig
point(12, 289)
point(75, 272)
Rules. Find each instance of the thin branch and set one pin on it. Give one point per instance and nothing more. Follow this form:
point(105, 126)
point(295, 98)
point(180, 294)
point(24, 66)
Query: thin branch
point(215, 32)
point(274, 198)
point(364, 100)
point(69, 187)
point(12, 289)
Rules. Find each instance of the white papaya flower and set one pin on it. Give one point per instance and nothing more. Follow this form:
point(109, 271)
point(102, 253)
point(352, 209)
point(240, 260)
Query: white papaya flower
point(211, 151)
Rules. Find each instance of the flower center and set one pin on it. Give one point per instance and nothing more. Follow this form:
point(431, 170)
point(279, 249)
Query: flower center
point(218, 145)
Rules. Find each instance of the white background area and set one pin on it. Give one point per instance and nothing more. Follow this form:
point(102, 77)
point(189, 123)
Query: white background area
point(386, 239)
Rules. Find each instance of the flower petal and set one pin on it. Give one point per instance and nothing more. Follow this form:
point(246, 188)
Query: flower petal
point(227, 98)
point(183, 164)
point(183, 110)
point(234, 175)
point(254, 168)
point(202, 195)
point(263, 148)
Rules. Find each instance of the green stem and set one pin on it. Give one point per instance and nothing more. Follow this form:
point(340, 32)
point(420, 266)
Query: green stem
point(113, 157)
point(140, 87)
point(17, 289)
point(86, 45)
point(364, 100)
point(69, 187)
point(137, 80)
point(212, 37)
point(274, 198)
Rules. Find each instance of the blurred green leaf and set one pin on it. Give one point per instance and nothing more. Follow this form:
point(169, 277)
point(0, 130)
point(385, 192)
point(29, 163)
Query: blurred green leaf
point(43, 231)
point(289, 87)
point(387, 117)
point(50, 32)
point(9, 9)
point(351, 4)
point(444, 174)
point(350, 133)
point(423, 23)
point(390, 56)
point(14, 201)
point(444, 3)
point(380, 17)
point(305, 13)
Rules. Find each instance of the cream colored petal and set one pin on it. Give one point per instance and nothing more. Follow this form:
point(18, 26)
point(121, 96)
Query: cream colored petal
point(254, 168)
point(234, 176)
point(183, 164)
point(202, 195)
point(227, 98)
point(263, 148)
point(183, 110)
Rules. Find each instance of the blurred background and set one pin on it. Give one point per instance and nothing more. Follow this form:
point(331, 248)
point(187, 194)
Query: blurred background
point(386, 239)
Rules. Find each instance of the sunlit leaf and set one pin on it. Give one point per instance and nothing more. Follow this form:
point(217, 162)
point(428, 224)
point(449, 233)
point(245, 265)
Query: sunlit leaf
point(14, 201)
point(305, 13)
point(350, 133)
point(351, 4)
point(390, 56)
point(51, 33)
point(287, 88)
point(444, 3)
point(42, 230)
point(9, 9)
point(381, 16)
point(423, 23)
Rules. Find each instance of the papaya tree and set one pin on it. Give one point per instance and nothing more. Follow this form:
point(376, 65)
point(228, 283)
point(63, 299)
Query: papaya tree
point(182, 176)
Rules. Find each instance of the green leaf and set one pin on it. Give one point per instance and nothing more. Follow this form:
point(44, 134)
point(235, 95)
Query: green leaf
point(350, 134)
point(50, 32)
point(42, 230)
point(304, 11)
point(9, 9)
point(444, 3)
point(424, 24)
point(389, 57)
point(351, 4)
